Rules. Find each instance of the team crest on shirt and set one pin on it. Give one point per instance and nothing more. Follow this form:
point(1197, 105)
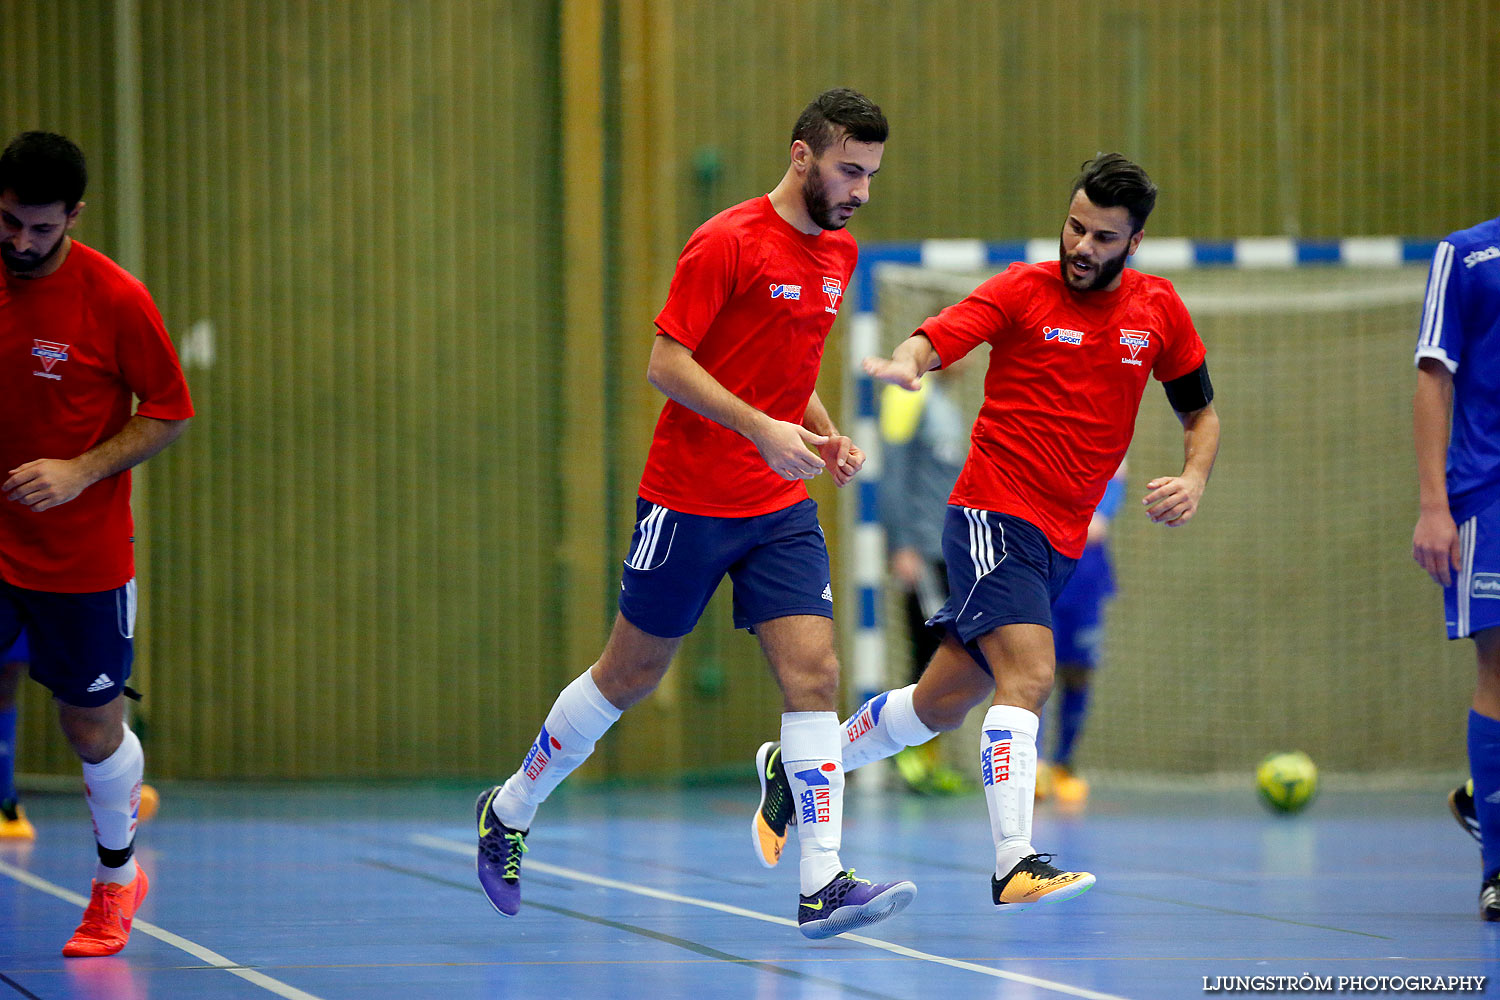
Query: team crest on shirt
point(1134, 341)
point(49, 353)
point(834, 289)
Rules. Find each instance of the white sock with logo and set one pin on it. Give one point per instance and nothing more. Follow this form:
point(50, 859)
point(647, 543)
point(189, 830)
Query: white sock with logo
point(811, 745)
point(113, 790)
point(1007, 766)
point(882, 726)
point(578, 718)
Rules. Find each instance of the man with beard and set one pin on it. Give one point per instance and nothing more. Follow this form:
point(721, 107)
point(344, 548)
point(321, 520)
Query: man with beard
point(737, 350)
point(78, 338)
point(1071, 344)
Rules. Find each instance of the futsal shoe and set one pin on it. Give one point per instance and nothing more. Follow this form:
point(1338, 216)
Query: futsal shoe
point(1489, 899)
point(768, 826)
point(1067, 787)
point(1043, 790)
point(13, 822)
point(848, 903)
point(1461, 804)
point(1034, 880)
point(106, 921)
point(499, 859)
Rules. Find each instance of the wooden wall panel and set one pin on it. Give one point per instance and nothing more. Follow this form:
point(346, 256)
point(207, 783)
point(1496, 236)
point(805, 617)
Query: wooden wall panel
point(354, 546)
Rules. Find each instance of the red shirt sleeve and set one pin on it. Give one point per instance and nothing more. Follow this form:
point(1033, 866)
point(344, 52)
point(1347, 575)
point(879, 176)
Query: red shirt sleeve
point(975, 320)
point(701, 285)
point(148, 361)
point(1184, 350)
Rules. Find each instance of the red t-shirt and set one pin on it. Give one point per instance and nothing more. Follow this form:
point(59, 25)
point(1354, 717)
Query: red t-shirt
point(74, 347)
point(753, 299)
point(1063, 388)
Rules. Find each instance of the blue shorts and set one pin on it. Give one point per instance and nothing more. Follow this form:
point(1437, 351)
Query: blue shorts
point(1078, 613)
point(81, 646)
point(1471, 603)
point(1001, 571)
point(778, 562)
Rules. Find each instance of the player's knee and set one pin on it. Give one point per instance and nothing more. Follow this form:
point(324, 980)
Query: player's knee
point(812, 685)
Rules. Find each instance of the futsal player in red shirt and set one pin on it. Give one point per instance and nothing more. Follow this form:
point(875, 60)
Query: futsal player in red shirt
point(79, 336)
point(737, 351)
point(1072, 343)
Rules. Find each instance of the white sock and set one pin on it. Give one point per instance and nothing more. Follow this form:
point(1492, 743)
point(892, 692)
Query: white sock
point(884, 725)
point(810, 754)
point(113, 790)
point(1007, 765)
point(578, 718)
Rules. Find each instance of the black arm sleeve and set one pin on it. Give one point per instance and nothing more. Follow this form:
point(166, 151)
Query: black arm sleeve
point(1192, 392)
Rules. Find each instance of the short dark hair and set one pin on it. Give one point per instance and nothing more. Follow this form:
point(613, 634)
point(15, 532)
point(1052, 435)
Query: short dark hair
point(840, 108)
point(43, 167)
point(1110, 180)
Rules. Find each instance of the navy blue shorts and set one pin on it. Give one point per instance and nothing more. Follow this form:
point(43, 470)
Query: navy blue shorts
point(1078, 613)
point(778, 562)
point(1001, 571)
point(81, 646)
point(1471, 603)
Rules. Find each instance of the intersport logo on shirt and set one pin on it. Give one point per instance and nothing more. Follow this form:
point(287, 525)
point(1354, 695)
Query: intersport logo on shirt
point(1057, 333)
point(49, 353)
point(793, 292)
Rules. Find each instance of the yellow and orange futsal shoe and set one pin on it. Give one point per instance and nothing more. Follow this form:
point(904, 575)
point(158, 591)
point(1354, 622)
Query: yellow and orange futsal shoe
point(106, 922)
point(13, 822)
point(1035, 880)
point(1069, 788)
point(774, 814)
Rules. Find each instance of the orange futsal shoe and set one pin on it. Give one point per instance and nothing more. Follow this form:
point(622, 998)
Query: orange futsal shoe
point(106, 922)
point(1035, 880)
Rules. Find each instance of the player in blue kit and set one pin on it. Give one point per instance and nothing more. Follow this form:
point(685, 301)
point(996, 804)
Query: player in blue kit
point(1456, 429)
point(1078, 637)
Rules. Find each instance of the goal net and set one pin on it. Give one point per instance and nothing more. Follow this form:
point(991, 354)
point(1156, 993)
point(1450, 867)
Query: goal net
point(1288, 614)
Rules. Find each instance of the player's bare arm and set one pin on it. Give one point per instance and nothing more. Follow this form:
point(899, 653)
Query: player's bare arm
point(51, 482)
point(1173, 500)
point(907, 364)
point(1434, 542)
point(839, 453)
point(783, 445)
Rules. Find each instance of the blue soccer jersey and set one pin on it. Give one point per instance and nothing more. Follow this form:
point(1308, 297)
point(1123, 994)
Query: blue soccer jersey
point(1461, 329)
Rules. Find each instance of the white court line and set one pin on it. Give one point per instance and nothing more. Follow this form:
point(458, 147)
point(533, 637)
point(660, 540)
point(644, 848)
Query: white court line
point(199, 952)
point(455, 847)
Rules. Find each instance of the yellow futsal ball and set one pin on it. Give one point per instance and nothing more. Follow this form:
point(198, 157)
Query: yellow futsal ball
point(1287, 781)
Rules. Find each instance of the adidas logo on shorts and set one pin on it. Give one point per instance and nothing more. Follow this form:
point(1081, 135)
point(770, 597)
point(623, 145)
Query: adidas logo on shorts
point(828, 592)
point(100, 683)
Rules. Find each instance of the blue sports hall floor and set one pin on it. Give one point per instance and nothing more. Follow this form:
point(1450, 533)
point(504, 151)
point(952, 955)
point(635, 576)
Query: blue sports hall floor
point(332, 892)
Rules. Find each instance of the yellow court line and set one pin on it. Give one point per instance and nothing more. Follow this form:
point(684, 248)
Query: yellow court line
point(199, 952)
point(457, 847)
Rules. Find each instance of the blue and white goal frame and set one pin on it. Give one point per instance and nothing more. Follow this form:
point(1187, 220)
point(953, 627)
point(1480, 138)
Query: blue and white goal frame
point(867, 567)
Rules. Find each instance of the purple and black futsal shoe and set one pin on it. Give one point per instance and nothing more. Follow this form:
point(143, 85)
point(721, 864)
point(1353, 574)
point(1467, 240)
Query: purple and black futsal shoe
point(848, 903)
point(499, 860)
